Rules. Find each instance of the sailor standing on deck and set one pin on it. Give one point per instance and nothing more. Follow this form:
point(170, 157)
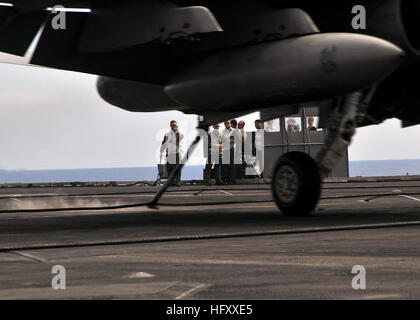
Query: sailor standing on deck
point(172, 145)
point(214, 155)
point(240, 151)
point(258, 149)
point(228, 154)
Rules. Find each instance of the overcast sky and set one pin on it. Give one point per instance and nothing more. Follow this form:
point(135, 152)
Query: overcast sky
point(52, 119)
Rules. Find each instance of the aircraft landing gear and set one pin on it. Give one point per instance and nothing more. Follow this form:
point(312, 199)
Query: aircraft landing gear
point(296, 181)
point(296, 184)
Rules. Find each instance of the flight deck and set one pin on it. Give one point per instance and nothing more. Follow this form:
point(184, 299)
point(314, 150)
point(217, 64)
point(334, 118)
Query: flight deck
point(209, 242)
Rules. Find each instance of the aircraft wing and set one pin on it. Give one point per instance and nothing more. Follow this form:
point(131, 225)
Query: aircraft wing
point(134, 40)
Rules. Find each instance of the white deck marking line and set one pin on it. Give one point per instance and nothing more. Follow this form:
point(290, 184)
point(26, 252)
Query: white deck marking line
point(223, 191)
point(408, 197)
point(190, 291)
point(29, 256)
point(139, 275)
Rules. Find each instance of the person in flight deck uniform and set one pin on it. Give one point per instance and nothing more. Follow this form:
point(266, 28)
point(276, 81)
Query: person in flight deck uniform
point(172, 145)
point(214, 155)
point(259, 143)
point(228, 154)
point(236, 136)
point(240, 151)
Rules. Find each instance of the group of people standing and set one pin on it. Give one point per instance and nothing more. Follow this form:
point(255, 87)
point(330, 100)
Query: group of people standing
point(225, 150)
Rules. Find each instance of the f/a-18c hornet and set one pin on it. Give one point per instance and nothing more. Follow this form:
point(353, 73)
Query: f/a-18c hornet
point(359, 60)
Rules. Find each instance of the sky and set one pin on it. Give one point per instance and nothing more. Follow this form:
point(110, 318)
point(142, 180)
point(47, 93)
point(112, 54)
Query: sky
point(53, 119)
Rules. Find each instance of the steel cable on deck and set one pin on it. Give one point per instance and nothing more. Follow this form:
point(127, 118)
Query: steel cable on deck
point(198, 191)
point(192, 204)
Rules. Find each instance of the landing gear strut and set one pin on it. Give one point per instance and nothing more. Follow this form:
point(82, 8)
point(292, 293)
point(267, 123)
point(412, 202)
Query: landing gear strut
point(296, 182)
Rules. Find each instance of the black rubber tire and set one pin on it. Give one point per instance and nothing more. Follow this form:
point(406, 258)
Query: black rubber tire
point(309, 184)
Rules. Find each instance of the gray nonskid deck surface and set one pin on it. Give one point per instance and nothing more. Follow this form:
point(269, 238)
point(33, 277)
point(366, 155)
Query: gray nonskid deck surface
point(238, 251)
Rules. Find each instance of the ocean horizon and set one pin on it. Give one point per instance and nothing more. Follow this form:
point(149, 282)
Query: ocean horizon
point(365, 168)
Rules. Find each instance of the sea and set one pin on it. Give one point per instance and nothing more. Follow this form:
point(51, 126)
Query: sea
point(370, 168)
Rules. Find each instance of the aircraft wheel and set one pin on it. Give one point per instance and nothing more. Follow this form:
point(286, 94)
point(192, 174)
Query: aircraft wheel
point(296, 184)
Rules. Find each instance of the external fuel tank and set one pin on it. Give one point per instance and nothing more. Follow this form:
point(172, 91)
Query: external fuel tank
point(306, 68)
